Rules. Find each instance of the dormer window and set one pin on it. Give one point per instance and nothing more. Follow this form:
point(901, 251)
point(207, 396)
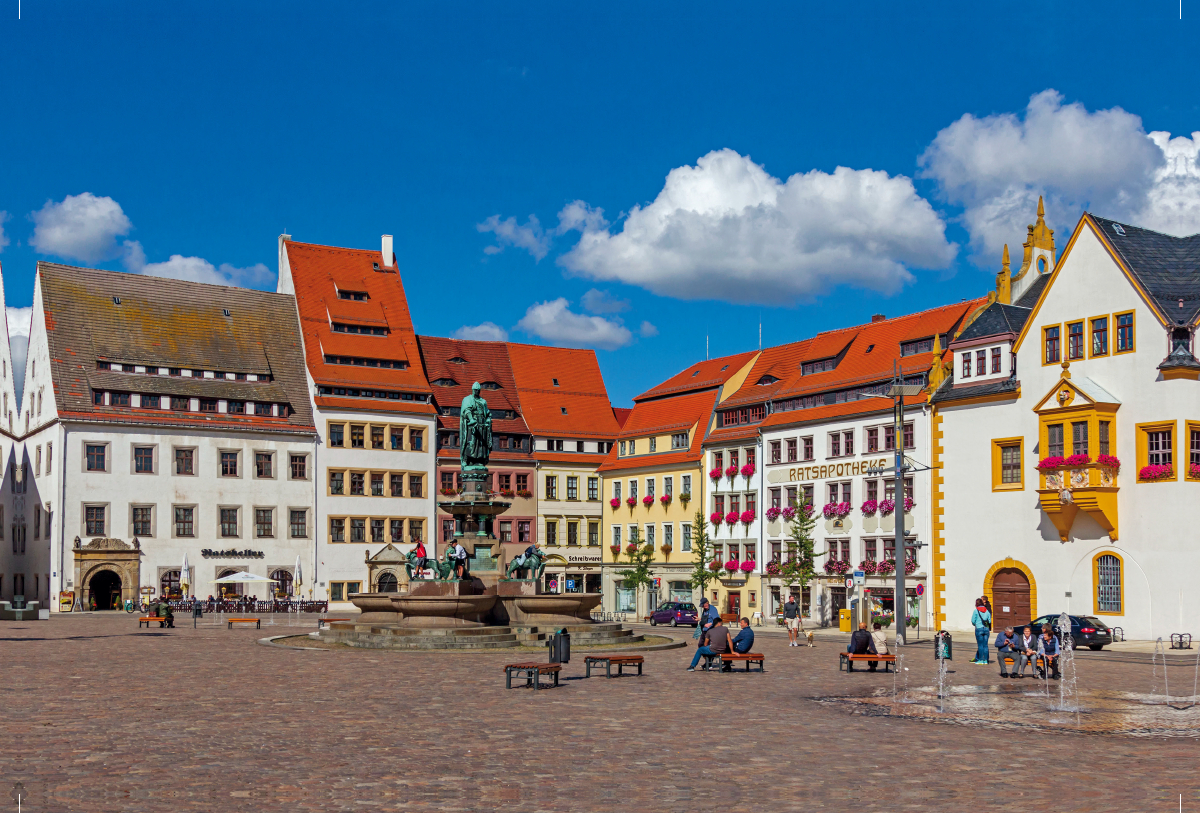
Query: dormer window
point(767, 379)
point(555, 381)
point(489, 385)
point(821, 366)
point(356, 296)
point(362, 330)
point(458, 360)
point(696, 373)
point(445, 382)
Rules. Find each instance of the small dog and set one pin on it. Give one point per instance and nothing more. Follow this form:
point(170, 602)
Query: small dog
point(808, 635)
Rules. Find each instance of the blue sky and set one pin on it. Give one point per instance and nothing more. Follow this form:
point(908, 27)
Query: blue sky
point(180, 139)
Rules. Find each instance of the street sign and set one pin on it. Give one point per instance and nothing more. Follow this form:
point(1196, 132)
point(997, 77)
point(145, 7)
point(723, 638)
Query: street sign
point(920, 589)
point(859, 576)
point(570, 584)
point(849, 582)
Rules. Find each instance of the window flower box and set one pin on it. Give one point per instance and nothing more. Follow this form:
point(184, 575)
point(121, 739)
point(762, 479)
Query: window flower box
point(715, 517)
point(1109, 462)
point(748, 470)
point(1052, 463)
point(910, 567)
point(632, 547)
point(868, 566)
point(510, 493)
point(731, 518)
point(747, 517)
point(869, 508)
point(685, 498)
point(714, 565)
point(526, 494)
point(836, 510)
point(747, 565)
point(1154, 473)
point(714, 475)
point(836, 567)
point(1194, 472)
point(665, 500)
point(615, 502)
point(732, 565)
point(665, 548)
point(773, 568)
point(1077, 460)
point(885, 568)
point(788, 513)
point(889, 506)
point(648, 500)
point(448, 492)
point(731, 472)
point(773, 513)
point(631, 501)
point(616, 549)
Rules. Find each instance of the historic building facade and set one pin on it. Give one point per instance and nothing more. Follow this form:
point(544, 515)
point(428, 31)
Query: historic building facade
point(373, 410)
point(24, 567)
point(1068, 470)
point(165, 419)
point(655, 482)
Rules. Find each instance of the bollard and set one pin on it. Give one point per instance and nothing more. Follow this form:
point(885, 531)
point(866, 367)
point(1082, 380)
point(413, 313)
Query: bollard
point(943, 646)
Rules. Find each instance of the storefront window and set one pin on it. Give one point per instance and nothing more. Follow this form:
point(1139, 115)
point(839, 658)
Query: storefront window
point(626, 600)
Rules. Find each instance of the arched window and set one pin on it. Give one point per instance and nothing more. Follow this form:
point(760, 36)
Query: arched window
point(1109, 580)
point(170, 583)
point(387, 583)
point(229, 589)
point(284, 577)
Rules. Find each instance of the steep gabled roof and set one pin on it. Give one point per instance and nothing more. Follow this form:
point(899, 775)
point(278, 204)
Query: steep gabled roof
point(96, 318)
point(1167, 267)
point(996, 320)
point(662, 416)
point(561, 392)
point(318, 274)
point(702, 375)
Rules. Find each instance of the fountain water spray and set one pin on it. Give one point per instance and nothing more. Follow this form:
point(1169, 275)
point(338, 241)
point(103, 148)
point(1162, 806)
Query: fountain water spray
point(1068, 692)
point(1160, 652)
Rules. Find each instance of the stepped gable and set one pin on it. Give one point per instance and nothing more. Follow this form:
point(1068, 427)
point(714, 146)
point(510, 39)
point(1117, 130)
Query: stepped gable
point(562, 395)
point(95, 319)
point(349, 287)
point(452, 366)
point(1167, 267)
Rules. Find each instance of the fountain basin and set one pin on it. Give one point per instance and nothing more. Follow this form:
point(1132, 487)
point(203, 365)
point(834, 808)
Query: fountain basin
point(376, 608)
point(551, 609)
point(443, 611)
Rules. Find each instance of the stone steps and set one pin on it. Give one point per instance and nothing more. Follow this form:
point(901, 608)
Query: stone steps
point(375, 636)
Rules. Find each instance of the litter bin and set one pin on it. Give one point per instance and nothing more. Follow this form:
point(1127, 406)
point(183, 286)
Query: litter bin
point(560, 647)
point(844, 620)
point(943, 646)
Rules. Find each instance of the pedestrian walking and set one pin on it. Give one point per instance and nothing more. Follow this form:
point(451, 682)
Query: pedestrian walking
point(981, 620)
point(791, 620)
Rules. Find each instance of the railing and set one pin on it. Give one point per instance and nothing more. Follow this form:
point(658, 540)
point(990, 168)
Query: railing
point(245, 605)
point(599, 616)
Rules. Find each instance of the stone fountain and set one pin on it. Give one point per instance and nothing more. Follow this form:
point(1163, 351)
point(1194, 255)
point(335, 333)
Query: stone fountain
point(485, 607)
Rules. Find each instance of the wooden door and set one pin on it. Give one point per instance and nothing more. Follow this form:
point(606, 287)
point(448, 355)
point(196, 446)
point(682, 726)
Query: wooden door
point(735, 603)
point(1010, 599)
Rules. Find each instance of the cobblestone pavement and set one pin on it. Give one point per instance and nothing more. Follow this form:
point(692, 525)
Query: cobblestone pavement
point(99, 716)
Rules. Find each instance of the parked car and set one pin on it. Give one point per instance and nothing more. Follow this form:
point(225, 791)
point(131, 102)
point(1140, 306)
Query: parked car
point(674, 613)
point(1086, 630)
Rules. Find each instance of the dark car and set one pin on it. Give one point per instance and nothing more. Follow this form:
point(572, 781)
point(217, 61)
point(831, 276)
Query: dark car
point(674, 613)
point(1086, 630)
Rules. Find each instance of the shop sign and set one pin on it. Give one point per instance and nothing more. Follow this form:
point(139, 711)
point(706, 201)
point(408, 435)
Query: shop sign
point(733, 582)
point(584, 557)
point(858, 467)
point(232, 553)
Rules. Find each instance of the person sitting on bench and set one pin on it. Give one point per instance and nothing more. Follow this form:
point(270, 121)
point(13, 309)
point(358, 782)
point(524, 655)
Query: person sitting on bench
point(861, 643)
point(743, 642)
point(716, 641)
point(1006, 647)
point(165, 612)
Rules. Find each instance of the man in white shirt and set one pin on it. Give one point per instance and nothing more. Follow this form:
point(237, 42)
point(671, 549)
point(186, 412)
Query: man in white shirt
point(460, 557)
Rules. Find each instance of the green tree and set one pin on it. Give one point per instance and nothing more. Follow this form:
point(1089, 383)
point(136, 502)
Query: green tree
point(798, 569)
point(702, 551)
point(640, 558)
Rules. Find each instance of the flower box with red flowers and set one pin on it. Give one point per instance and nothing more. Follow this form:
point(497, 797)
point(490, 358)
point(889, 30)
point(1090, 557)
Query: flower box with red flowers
point(732, 565)
point(615, 502)
point(836, 510)
point(1108, 461)
point(730, 471)
point(731, 518)
point(748, 470)
point(869, 508)
point(836, 567)
point(507, 493)
point(525, 494)
point(715, 474)
point(631, 501)
point(665, 500)
point(1154, 473)
point(788, 513)
point(632, 547)
point(616, 549)
point(747, 517)
point(715, 517)
point(747, 565)
point(1052, 463)
point(773, 513)
point(868, 566)
point(773, 568)
point(885, 568)
point(648, 500)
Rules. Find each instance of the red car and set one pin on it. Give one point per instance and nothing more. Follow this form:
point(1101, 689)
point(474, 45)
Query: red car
point(674, 613)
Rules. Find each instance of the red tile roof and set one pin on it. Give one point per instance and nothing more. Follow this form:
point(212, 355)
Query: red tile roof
point(621, 414)
point(702, 375)
point(318, 273)
point(561, 392)
point(662, 416)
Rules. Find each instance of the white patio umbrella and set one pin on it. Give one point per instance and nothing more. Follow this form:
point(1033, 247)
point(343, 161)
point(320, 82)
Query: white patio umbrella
point(297, 579)
point(242, 577)
point(185, 579)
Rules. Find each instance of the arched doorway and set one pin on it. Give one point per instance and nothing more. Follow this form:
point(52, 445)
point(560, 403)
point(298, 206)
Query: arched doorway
point(1011, 604)
point(229, 589)
point(105, 589)
point(169, 584)
point(387, 583)
point(284, 577)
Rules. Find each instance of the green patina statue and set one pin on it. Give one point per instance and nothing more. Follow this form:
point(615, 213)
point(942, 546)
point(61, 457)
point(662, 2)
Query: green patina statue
point(475, 432)
point(533, 560)
point(441, 570)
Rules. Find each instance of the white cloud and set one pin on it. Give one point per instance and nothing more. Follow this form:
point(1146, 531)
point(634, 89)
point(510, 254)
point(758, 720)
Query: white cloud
point(19, 320)
point(726, 229)
point(647, 330)
point(1103, 161)
point(484, 332)
point(578, 216)
point(4, 216)
point(530, 237)
point(603, 302)
point(81, 227)
point(198, 269)
point(555, 322)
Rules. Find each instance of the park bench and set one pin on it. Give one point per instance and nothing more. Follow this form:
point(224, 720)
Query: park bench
point(730, 618)
point(847, 659)
point(257, 622)
point(532, 673)
point(146, 619)
point(743, 657)
point(609, 661)
point(1038, 661)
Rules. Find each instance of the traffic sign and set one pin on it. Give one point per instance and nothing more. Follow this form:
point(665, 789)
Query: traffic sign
point(859, 576)
point(920, 589)
point(849, 582)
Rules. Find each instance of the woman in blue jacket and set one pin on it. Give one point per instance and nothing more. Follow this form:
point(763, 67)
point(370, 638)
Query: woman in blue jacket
point(981, 620)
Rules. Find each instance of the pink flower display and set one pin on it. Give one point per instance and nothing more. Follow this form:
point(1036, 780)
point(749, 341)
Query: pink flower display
point(1077, 460)
point(731, 518)
point(715, 517)
point(747, 565)
point(615, 502)
point(885, 568)
point(1051, 463)
point(788, 513)
point(631, 547)
point(773, 513)
point(1156, 472)
point(731, 471)
point(837, 567)
point(1109, 462)
point(773, 568)
point(715, 474)
point(887, 506)
point(870, 507)
point(648, 500)
point(1194, 471)
point(630, 501)
point(747, 470)
point(665, 500)
point(868, 566)
point(836, 510)
point(747, 517)
point(732, 565)
point(714, 565)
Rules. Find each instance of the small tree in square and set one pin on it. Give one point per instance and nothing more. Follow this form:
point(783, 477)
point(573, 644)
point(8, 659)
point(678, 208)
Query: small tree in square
point(702, 551)
point(798, 569)
point(640, 557)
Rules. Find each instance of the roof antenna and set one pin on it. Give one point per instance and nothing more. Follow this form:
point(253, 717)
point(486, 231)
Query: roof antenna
point(760, 330)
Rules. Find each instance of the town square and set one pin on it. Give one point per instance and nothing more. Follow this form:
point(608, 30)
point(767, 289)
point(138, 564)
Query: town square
point(681, 407)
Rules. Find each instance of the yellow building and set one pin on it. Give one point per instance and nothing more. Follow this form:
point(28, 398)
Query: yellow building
point(654, 482)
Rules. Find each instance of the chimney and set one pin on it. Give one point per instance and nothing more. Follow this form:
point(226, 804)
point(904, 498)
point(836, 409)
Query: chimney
point(879, 317)
point(387, 251)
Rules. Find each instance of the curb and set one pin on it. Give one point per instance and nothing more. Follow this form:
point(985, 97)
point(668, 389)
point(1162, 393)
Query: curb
point(272, 641)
